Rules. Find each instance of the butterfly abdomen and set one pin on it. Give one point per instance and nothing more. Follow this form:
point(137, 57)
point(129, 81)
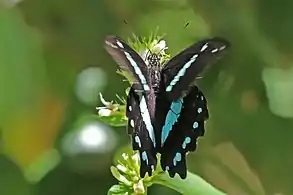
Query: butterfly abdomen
point(151, 103)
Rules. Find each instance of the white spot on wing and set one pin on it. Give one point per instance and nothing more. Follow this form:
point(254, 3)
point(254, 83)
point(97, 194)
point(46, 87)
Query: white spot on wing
point(111, 45)
point(137, 140)
point(132, 123)
point(195, 125)
point(199, 110)
point(223, 47)
point(120, 44)
point(204, 47)
point(130, 108)
point(214, 50)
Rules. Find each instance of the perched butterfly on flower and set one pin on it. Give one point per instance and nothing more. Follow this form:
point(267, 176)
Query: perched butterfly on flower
point(166, 111)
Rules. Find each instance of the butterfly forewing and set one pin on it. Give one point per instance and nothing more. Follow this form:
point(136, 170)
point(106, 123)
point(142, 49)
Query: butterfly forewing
point(184, 123)
point(182, 70)
point(142, 137)
point(128, 60)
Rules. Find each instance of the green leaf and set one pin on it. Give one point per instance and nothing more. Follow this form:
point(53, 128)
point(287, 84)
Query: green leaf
point(12, 181)
point(193, 184)
point(22, 67)
point(44, 163)
point(115, 120)
point(115, 113)
point(119, 190)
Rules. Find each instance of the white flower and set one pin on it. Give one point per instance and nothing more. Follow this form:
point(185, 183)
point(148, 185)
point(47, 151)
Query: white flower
point(121, 168)
point(104, 101)
point(104, 112)
point(135, 158)
point(108, 107)
point(160, 47)
point(125, 156)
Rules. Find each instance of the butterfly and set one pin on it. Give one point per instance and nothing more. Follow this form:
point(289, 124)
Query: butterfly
point(166, 111)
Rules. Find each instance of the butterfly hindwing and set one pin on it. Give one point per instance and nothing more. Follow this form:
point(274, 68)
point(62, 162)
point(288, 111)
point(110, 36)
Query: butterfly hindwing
point(142, 137)
point(182, 70)
point(128, 60)
point(184, 123)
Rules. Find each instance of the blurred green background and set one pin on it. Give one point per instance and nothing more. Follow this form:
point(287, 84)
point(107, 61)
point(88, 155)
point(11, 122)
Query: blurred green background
point(53, 65)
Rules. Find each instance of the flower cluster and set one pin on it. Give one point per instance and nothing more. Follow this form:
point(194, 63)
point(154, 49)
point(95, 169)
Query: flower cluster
point(127, 173)
point(108, 107)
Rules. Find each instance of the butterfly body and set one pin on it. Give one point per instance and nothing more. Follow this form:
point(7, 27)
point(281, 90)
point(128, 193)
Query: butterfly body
point(166, 111)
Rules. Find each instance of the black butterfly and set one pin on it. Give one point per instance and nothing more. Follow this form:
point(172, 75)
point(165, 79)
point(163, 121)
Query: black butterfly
point(166, 111)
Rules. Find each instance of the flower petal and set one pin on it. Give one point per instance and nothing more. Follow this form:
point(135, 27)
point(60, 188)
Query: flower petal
point(104, 112)
point(104, 101)
point(161, 46)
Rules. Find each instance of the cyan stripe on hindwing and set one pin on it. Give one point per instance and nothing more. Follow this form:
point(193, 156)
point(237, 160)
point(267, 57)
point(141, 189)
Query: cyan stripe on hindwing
point(147, 119)
point(136, 68)
point(171, 118)
point(181, 72)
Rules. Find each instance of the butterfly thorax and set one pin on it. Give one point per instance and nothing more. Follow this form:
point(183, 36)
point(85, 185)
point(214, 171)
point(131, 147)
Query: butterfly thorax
point(154, 71)
point(154, 74)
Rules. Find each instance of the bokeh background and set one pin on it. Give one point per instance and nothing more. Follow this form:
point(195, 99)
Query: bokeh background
point(53, 66)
